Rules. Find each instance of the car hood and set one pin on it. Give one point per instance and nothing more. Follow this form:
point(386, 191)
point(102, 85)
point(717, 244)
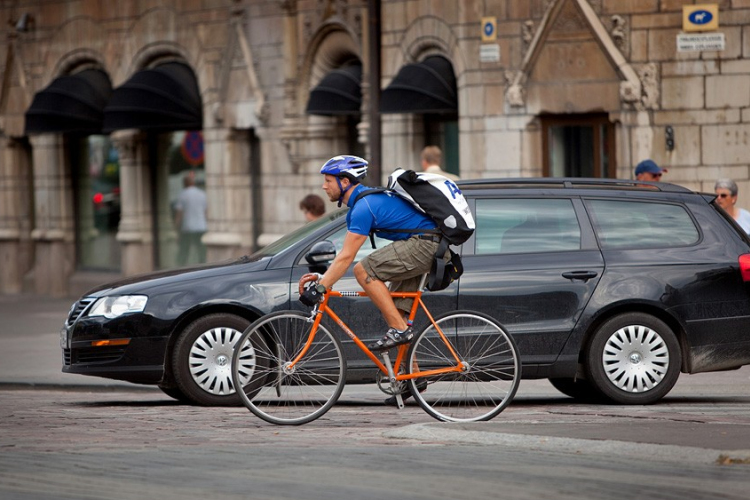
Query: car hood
point(144, 283)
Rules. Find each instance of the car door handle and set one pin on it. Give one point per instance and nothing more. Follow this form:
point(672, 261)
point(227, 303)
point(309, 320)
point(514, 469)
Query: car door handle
point(580, 275)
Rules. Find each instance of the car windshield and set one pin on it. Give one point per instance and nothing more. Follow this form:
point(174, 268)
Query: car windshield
point(291, 238)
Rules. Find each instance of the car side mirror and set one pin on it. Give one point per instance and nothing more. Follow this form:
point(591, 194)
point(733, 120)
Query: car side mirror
point(321, 253)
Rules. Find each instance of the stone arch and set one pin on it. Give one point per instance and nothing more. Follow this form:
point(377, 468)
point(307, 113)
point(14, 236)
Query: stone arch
point(159, 35)
point(77, 42)
point(427, 36)
point(332, 45)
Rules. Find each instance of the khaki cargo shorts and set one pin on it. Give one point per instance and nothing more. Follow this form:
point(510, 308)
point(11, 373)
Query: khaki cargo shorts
point(402, 263)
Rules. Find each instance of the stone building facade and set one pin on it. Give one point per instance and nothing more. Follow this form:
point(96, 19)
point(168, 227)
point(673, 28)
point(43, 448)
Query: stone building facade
point(551, 88)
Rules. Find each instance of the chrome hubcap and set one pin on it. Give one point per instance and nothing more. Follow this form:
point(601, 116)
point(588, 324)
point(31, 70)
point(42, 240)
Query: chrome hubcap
point(211, 360)
point(635, 358)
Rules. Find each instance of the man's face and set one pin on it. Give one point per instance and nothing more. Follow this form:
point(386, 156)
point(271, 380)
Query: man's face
point(331, 187)
point(725, 199)
point(649, 176)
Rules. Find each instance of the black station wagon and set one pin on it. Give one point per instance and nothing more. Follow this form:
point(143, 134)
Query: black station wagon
point(610, 289)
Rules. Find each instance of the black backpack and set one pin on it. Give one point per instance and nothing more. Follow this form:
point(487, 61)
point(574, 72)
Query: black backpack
point(438, 197)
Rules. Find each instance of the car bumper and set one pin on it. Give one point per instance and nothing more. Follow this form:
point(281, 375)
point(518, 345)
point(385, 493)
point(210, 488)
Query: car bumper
point(121, 349)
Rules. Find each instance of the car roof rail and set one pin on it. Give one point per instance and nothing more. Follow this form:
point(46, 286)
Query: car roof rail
point(572, 183)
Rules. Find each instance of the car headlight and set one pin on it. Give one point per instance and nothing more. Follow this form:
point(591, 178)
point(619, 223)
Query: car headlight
point(112, 307)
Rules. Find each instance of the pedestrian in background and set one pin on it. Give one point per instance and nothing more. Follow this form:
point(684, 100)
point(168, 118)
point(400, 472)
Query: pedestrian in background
point(726, 196)
point(432, 158)
point(648, 170)
point(312, 206)
point(190, 220)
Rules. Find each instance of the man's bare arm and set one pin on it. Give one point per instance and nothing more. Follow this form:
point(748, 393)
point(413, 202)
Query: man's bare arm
point(352, 243)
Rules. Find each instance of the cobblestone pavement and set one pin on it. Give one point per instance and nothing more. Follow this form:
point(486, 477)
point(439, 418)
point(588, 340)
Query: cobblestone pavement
point(127, 444)
point(73, 437)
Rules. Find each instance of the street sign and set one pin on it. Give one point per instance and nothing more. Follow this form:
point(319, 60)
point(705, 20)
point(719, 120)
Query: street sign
point(700, 17)
point(489, 29)
point(697, 42)
point(489, 52)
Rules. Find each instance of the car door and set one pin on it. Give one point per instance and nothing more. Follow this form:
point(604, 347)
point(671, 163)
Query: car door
point(533, 266)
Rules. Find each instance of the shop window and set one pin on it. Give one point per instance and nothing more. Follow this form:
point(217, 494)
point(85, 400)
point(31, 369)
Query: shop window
point(578, 146)
point(178, 166)
point(96, 184)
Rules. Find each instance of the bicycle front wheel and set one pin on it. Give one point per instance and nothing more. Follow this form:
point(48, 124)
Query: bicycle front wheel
point(490, 367)
point(274, 389)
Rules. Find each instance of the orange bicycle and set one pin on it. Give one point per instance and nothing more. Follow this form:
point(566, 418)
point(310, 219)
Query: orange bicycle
point(461, 367)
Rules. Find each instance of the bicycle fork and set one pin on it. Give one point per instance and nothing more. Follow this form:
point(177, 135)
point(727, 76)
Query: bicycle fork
point(392, 380)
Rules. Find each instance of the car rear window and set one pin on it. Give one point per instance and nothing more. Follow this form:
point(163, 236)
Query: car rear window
point(526, 226)
point(634, 224)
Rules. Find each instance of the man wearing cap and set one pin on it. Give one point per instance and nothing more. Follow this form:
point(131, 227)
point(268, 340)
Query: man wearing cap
point(648, 170)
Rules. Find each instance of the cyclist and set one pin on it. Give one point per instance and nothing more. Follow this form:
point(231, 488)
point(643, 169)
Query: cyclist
point(402, 262)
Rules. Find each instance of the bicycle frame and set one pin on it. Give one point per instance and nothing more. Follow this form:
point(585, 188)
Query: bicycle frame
point(323, 308)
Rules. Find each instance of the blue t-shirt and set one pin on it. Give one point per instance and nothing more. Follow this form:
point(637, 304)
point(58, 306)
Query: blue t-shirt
point(384, 211)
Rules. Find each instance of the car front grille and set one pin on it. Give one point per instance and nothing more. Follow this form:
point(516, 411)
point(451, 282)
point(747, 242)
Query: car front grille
point(78, 309)
point(66, 357)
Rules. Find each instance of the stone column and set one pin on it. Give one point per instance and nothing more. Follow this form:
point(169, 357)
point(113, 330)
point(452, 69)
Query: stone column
point(14, 195)
point(135, 232)
point(53, 232)
point(230, 222)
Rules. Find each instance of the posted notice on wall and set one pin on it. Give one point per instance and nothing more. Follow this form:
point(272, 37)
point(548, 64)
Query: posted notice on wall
point(695, 42)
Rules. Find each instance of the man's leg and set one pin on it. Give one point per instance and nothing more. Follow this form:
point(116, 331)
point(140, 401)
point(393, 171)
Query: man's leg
point(381, 297)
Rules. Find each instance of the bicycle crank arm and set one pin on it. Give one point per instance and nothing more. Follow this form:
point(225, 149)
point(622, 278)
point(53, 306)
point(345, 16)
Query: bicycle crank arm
point(392, 379)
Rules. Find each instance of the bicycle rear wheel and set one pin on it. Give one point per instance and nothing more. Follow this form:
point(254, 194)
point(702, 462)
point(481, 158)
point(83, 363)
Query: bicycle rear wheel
point(277, 392)
point(491, 368)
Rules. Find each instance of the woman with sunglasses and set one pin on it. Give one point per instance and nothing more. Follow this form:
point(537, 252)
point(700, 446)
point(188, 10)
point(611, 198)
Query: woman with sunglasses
point(726, 197)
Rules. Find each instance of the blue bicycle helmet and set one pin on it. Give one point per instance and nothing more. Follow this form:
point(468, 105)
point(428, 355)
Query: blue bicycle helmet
point(352, 167)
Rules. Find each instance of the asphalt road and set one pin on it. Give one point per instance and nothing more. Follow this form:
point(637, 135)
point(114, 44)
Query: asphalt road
point(67, 436)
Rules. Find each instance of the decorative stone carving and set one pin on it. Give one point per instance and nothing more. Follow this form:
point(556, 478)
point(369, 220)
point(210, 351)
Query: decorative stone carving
point(570, 20)
point(649, 86)
point(619, 32)
point(629, 92)
point(527, 34)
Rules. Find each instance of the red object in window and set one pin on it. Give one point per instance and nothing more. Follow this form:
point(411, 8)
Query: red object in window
point(745, 266)
point(98, 198)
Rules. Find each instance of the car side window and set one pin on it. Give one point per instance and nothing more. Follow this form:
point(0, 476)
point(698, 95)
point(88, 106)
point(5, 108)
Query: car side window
point(526, 226)
point(635, 224)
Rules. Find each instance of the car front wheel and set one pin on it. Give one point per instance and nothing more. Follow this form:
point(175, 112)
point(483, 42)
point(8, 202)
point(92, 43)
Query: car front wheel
point(633, 358)
point(202, 359)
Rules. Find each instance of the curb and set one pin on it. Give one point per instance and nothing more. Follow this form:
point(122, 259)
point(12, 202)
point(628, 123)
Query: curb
point(610, 448)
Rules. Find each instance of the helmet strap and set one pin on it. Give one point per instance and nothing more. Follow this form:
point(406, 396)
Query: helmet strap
point(342, 190)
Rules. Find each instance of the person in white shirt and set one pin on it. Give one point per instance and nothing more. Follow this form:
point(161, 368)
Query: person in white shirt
point(726, 197)
point(431, 158)
point(190, 220)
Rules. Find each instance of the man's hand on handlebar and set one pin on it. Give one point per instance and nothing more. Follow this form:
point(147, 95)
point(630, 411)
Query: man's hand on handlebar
point(310, 291)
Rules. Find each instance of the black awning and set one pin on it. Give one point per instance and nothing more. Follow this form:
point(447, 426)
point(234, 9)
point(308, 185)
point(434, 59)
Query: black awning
point(338, 93)
point(424, 87)
point(72, 103)
point(164, 98)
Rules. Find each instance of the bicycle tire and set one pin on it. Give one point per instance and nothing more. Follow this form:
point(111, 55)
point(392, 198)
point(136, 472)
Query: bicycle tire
point(275, 393)
point(492, 375)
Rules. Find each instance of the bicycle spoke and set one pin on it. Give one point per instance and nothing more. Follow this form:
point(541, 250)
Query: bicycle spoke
point(491, 368)
point(284, 394)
